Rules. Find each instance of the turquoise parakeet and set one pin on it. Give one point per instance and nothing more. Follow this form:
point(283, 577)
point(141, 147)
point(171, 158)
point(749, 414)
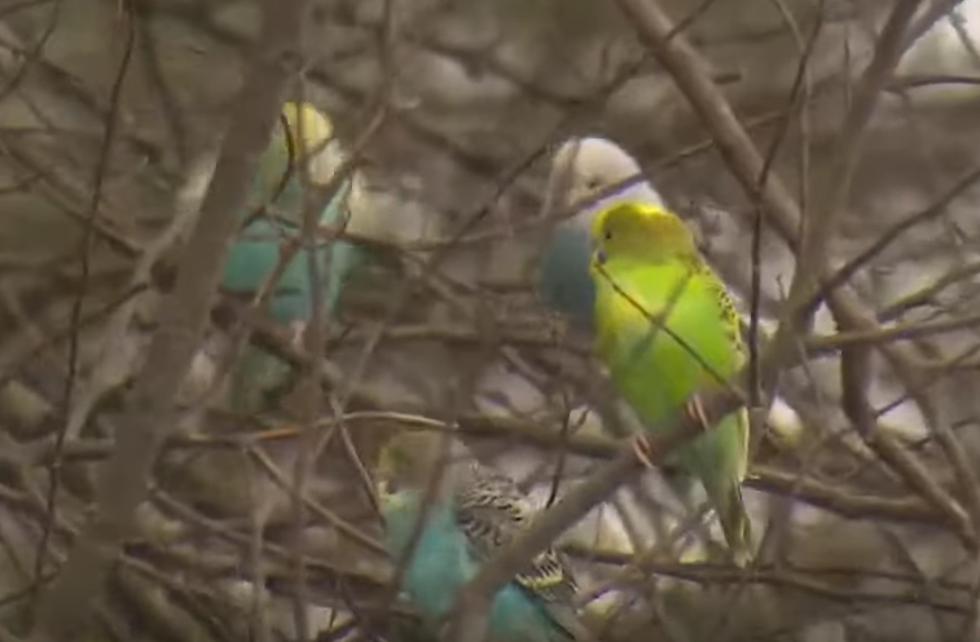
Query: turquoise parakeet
point(581, 168)
point(666, 327)
point(474, 512)
point(254, 255)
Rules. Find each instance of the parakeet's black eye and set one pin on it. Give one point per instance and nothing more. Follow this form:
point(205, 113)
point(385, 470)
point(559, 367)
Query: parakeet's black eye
point(607, 234)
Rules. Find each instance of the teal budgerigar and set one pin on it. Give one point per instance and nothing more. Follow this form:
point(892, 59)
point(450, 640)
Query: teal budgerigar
point(666, 327)
point(275, 217)
point(474, 511)
point(581, 168)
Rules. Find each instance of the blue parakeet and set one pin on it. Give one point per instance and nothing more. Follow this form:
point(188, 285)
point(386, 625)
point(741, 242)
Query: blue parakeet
point(475, 511)
point(254, 255)
point(581, 168)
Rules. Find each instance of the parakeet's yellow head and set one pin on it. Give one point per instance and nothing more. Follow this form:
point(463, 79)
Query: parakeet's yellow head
point(639, 230)
point(409, 459)
point(304, 119)
point(302, 135)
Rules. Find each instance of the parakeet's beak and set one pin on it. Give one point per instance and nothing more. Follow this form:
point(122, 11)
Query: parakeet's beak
point(388, 497)
point(384, 489)
point(599, 257)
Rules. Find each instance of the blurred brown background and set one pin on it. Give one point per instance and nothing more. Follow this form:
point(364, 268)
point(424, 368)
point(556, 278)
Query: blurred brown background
point(864, 488)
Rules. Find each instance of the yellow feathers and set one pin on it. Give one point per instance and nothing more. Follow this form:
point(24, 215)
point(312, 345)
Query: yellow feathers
point(412, 457)
point(303, 119)
point(303, 137)
point(640, 230)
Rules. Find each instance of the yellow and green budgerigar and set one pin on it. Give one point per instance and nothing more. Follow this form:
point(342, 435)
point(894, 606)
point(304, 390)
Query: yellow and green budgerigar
point(666, 327)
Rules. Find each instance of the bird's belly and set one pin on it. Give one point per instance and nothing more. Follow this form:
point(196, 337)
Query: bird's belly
point(657, 376)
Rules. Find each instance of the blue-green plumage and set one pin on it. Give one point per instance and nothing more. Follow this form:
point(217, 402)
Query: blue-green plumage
point(256, 252)
point(444, 561)
point(563, 275)
point(474, 512)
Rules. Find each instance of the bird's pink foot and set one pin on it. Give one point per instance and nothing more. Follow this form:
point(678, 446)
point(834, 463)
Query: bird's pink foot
point(642, 450)
point(695, 410)
point(641, 444)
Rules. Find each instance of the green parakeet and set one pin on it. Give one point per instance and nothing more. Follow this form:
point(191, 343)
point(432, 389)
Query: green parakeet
point(256, 252)
point(581, 168)
point(666, 326)
point(474, 512)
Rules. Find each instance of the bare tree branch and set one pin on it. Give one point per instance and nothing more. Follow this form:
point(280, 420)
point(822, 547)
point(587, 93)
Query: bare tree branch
point(124, 479)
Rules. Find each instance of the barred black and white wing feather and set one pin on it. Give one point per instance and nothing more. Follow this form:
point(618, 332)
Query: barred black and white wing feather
point(492, 512)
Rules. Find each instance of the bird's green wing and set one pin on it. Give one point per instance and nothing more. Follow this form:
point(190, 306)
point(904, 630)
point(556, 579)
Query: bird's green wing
point(732, 325)
point(657, 370)
point(729, 312)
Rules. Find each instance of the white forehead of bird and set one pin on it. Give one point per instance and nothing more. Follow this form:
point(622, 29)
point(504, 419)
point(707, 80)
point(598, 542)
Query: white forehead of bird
point(594, 163)
point(583, 166)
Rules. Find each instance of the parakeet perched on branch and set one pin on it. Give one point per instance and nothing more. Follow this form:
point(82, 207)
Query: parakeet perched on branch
point(581, 168)
point(666, 327)
point(474, 511)
point(276, 217)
